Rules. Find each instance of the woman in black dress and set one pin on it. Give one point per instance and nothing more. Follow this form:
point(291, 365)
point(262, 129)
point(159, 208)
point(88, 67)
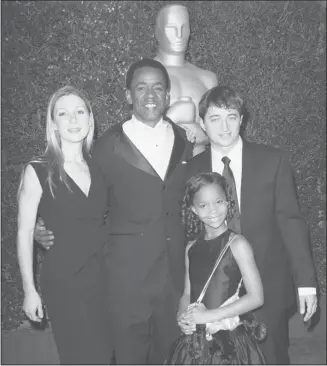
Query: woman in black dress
point(69, 193)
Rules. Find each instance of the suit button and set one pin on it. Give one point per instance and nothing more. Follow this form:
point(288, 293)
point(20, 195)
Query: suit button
point(167, 213)
point(168, 238)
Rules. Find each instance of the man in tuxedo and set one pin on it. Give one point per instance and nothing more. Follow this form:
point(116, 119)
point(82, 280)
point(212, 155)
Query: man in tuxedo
point(266, 211)
point(143, 161)
point(144, 164)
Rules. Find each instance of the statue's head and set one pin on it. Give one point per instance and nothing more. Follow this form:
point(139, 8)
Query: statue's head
point(173, 29)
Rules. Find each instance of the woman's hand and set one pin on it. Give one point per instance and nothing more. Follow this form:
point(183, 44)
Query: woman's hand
point(197, 314)
point(33, 306)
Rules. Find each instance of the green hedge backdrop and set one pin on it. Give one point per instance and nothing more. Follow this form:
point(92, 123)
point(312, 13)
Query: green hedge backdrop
point(272, 51)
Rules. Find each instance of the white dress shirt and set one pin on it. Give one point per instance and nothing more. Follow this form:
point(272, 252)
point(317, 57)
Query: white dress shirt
point(235, 156)
point(154, 143)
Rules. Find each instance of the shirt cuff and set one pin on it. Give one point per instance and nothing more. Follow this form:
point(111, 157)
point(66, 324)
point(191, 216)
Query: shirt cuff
point(303, 291)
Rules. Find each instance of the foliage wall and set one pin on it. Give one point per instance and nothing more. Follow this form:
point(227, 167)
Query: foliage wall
point(272, 51)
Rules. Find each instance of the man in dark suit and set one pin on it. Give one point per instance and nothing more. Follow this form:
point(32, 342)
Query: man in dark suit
point(143, 161)
point(144, 164)
point(267, 214)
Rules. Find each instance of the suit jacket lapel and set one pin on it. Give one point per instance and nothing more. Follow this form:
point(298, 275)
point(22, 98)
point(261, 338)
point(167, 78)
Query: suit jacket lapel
point(125, 148)
point(248, 194)
point(246, 184)
point(206, 161)
point(177, 151)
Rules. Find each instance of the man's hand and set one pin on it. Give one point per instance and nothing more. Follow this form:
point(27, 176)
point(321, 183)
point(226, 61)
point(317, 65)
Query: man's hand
point(190, 133)
point(195, 134)
point(308, 306)
point(43, 236)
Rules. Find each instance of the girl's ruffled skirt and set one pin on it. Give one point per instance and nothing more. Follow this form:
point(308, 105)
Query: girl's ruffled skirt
point(235, 347)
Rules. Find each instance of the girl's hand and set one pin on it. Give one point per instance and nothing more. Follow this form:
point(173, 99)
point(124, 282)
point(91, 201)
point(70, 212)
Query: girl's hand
point(186, 327)
point(33, 306)
point(196, 314)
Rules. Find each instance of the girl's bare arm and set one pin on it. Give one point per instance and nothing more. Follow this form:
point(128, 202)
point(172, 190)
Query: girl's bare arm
point(253, 298)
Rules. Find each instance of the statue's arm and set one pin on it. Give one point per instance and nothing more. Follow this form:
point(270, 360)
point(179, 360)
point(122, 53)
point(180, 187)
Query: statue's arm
point(182, 112)
point(210, 80)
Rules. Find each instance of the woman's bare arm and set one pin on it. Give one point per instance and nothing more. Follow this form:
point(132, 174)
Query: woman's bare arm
point(29, 196)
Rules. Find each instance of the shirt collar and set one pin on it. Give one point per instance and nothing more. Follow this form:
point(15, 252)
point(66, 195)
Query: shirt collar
point(140, 125)
point(233, 154)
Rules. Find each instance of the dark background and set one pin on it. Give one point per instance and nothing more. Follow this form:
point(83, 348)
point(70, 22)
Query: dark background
point(274, 52)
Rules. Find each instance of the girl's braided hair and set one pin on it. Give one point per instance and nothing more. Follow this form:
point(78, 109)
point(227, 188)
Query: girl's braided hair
point(193, 226)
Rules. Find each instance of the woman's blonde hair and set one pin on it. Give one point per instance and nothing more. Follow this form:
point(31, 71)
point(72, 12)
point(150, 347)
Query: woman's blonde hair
point(53, 156)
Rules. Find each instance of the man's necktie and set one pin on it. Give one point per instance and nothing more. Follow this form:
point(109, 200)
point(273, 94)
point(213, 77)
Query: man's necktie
point(235, 222)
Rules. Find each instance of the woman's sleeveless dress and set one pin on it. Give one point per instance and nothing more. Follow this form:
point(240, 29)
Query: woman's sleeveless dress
point(235, 347)
point(72, 277)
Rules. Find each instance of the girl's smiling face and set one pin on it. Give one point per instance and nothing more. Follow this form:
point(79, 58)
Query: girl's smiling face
point(210, 205)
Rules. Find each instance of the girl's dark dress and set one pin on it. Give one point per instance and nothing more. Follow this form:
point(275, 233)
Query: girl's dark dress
point(237, 347)
point(72, 273)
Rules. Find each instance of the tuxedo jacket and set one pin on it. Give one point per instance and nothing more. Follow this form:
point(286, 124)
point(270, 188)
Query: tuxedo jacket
point(271, 221)
point(146, 245)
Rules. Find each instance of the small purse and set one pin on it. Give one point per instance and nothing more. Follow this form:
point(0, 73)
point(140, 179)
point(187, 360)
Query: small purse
point(227, 323)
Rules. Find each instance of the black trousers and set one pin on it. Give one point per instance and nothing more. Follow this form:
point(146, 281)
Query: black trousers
point(79, 316)
point(148, 341)
point(275, 347)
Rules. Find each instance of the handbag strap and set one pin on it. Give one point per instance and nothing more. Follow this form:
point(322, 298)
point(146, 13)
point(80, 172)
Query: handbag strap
point(239, 286)
point(220, 257)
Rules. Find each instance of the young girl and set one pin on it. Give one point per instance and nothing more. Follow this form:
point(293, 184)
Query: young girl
point(68, 191)
point(213, 330)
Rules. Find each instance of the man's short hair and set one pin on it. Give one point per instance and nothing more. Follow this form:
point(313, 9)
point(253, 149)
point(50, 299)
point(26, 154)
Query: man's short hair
point(222, 97)
point(146, 62)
